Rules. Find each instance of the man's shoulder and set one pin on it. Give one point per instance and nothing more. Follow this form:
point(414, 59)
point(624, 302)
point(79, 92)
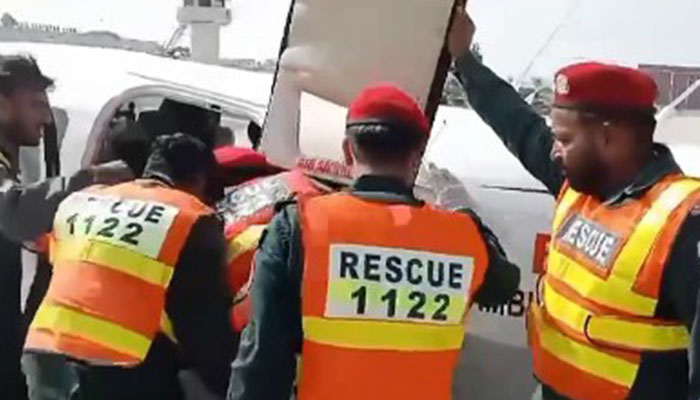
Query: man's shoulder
point(460, 212)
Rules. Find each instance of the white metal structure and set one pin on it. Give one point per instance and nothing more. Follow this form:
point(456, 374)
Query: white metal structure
point(205, 18)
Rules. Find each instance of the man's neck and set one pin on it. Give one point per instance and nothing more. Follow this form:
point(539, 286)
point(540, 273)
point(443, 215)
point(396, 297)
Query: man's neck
point(363, 170)
point(624, 175)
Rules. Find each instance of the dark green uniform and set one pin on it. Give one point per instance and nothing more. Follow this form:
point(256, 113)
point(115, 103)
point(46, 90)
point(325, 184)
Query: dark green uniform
point(266, 363)
point(26, 212)
point(665, 376)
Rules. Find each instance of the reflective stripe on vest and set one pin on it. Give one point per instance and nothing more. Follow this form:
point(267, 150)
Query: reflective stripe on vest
point(117, 258)
point(616, 291)
point(384, 297)
point(585, 358)
point(62, 319)
point(594, 321)
point(114, 250)
point(379, 335)
point(246, 241)
point(240, 270)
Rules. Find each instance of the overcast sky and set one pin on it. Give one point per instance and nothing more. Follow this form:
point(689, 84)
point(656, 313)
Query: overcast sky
point(511, 31)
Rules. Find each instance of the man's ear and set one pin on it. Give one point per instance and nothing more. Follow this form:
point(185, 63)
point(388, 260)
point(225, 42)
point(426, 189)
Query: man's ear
point(348, 152)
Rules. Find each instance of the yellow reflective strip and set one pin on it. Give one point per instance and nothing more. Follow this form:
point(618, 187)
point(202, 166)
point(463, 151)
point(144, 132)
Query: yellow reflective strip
point(166, 327)
point(245, 241)
point(614, 292)
point(638, 335)
point(567, 201)
point(380, 335)
point(633, 255)
point(586, 358)
point(116, 258)
point(64, 320)
point(564, 310)
point(617, 291)
point(614, 330)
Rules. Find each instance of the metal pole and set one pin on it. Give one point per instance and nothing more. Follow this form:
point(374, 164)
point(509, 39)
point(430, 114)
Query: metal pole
point(666, 112)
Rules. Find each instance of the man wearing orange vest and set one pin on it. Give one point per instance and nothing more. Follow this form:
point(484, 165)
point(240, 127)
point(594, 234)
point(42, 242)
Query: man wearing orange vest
point(138, 286)
point(618, 301)
point(248, 207)
point(370, 287)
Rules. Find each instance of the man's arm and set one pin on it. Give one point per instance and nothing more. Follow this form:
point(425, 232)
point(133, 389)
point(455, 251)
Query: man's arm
point(524, 132)
point(198, 305)
point(680, 291)
point(27, 211)
point(502, 277)
point(266, 364)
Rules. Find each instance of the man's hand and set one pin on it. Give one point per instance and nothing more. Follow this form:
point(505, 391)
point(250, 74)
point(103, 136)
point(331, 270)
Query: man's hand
point(111, 173)
point(461, 35)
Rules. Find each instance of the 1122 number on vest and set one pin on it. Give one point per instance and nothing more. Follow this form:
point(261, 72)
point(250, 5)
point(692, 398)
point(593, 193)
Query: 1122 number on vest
point(139, 225)
point(392, 284)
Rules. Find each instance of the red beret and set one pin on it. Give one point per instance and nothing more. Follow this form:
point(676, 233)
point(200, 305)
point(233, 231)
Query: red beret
point(387, 103)
point(236, 157)
point(599, 86)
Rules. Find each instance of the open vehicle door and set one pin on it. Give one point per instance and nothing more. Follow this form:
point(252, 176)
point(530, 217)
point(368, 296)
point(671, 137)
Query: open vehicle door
point(332, 49)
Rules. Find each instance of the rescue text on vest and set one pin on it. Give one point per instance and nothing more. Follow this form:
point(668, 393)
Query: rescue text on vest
point(596, 243)
point(392, 284)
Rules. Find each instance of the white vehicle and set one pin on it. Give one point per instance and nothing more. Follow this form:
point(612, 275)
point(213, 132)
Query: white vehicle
point(305, 119)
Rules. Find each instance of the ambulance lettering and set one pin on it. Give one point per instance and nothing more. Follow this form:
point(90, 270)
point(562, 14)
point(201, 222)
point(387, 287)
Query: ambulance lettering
point(516, 307)
point(391, 284)
point(593, 241)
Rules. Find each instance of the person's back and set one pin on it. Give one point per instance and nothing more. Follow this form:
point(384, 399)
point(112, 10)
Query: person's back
point(372, 285)
point(385, 306)
point(138, 279)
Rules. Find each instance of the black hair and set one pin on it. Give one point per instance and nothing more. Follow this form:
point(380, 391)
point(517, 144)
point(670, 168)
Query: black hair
point(21, 72)
point(180, 159)
point(382, 144)
point(131, 143)
point(254, 134)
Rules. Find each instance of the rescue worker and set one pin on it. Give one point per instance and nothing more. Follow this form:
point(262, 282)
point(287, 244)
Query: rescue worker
point(26, 211)
point(248, 207)
point(370, 286)
point(617, 303)
point(138, 282)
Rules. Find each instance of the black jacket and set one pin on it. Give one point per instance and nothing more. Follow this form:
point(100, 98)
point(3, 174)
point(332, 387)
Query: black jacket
point(667, 376)
point(266, 364)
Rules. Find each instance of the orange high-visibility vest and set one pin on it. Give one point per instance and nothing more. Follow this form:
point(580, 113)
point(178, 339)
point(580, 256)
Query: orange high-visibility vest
point(247, 209)
point(385, 293)
point(601, 288)
point(114, 250)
